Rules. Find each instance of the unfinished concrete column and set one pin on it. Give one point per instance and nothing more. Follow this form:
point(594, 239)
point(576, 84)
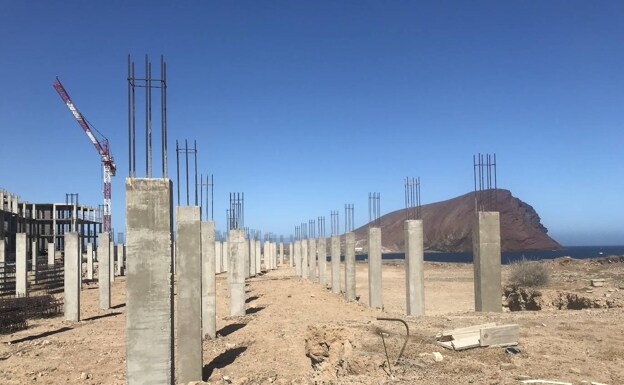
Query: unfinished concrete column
point(258, 257)
point(266, 252)
point(90, 261)
point(247, 260)
point(312, 259)
point(304, 258)
point(350, 266)
point(297, 257)
point(188, 301)
point(290, 255)
point(335, 263)
point(414, 268)
point(73, 267)
point(225, 260)
point(51, 253)
point(113, 257)
point(34, 253)
point(238, 251)
point(281, 253)
point(149, 285)
point(103, 252)
point(121, 256)
point(209, 282)
point(487, 261)
point(375, 288)
point(2, 250)
point(218, 254)
point(21, 262)
point(252, 257)
point(322, 260)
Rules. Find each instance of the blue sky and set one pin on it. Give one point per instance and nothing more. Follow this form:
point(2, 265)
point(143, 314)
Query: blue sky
point(308, 105)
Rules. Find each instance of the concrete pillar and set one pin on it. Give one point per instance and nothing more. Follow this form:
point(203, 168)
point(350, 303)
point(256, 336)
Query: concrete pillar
point(189, 292)
point(297, 257)
point(290, 255)
point(103, 252)
point(350, 266)
point(281, 253)
point(51, 252)
point(149, 284)
point(322, 261)
point(21, 262)
point(414, 268)
point(247, 260)
point(34, 251)
point(266, 253)
point(225, 260)
point(335, 263)
point(218, 254)
point(236, 270)
point(121, 256)
point(113, 258)
point(209, 283)
point(90, 261)
point(73, 277)
point(252, 257)
point(2, 250)
point(375, 288)
point(312, 260)
point(487, 262)
point(274, 255)
point(304, 258)
point(258, 257)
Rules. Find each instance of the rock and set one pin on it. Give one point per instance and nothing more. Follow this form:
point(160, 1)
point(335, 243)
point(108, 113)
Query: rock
point(437, 356)
point(575, 370)
point(507, 366)
point(84, 376)
point(597, 282)
point(230, 346)
point(227, 379)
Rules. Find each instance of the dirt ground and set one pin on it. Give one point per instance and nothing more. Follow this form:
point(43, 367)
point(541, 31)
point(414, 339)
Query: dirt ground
point(296, 332)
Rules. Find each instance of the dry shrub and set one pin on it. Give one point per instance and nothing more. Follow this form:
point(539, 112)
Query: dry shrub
point(527, 273)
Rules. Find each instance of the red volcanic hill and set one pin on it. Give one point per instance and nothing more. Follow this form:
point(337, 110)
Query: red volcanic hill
point(448, 226)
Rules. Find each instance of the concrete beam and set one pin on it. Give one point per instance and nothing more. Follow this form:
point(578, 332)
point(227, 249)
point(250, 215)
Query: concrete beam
point(209, 282)
point(103, 253)
point(149, 284)
point(350, 266)
point(414, 268)
point(21, 262)
point(335, 263)
point(236, 270)
point(188, 301)
point(73, 277)
point(375, 287)
point(487, 262)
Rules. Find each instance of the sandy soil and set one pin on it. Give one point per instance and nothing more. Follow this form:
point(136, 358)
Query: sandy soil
point(297, 332)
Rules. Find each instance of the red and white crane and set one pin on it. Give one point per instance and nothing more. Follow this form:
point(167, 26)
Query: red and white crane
point(104, 150)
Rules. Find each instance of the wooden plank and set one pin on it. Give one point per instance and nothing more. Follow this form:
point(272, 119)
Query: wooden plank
point(466, 341)
point(500, 335)
point(466, 330)
point(445, 344)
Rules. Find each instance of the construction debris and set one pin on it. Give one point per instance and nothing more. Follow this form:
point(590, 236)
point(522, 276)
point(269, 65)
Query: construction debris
point(478, 336)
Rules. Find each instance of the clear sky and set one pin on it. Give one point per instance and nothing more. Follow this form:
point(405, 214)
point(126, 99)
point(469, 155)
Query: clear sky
point(308, 105)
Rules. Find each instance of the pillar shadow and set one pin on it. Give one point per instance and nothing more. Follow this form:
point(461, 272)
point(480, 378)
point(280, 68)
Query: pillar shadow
point(254, 310)
point(118, 306)
point(229, 329)
point(96, 317)
point(252, 298)
point(42, 335)
point(221, 361)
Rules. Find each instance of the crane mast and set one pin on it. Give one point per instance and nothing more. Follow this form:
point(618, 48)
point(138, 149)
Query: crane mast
point(108, 163)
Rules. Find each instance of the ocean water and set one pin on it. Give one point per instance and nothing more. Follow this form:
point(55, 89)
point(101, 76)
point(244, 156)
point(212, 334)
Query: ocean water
point(578, 252)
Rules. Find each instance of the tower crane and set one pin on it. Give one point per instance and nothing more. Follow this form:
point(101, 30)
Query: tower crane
point(103, 149)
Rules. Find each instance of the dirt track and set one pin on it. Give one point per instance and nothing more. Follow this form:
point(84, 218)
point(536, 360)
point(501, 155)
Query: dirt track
point(289, 317)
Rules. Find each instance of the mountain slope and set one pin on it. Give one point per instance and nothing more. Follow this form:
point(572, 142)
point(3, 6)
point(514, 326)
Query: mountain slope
point(448, 226)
